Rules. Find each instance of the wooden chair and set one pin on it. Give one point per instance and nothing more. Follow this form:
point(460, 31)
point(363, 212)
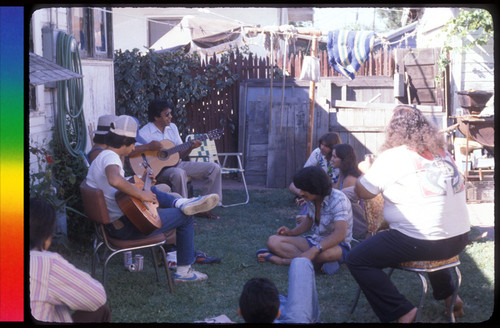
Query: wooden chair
point(96, 210)
point(207, 152)
point(376, 222)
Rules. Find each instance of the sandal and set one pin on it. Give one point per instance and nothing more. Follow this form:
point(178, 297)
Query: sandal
point(264, 250)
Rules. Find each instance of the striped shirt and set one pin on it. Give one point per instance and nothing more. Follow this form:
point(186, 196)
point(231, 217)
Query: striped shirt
point(58, 287)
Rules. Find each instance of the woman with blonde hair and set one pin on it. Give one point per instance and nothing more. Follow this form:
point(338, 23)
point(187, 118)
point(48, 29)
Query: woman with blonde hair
point(425, 207)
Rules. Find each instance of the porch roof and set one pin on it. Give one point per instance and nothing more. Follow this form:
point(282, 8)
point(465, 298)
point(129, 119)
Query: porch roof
point(43, 71)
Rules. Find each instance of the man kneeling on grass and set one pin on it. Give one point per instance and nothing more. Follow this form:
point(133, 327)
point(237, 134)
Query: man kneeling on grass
point(260, 301)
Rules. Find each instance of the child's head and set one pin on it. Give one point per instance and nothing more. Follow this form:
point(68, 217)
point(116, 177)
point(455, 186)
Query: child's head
point(42, 223)
point(259, 301)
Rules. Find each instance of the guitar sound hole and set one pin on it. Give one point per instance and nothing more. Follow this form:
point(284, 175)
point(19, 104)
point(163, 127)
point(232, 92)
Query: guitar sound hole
point(163, 154)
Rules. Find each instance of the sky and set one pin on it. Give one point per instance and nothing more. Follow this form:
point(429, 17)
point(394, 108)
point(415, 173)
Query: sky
point(337, 18)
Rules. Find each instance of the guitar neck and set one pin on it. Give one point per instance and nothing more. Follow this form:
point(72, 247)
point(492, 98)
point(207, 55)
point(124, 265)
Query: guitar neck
point(186, 145)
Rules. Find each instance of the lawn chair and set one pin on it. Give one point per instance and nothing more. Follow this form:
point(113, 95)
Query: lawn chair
point(96, 210)
point(376, 222)
point(207, 152)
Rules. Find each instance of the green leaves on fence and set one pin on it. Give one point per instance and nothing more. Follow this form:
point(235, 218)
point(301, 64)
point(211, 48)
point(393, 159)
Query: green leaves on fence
point(177, 76)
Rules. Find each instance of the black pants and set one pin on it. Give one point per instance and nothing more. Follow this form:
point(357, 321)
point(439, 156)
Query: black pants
point(387, 249)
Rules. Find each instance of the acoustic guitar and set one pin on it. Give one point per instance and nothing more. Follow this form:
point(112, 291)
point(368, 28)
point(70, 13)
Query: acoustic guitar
point(144, 215)
point(168, 156)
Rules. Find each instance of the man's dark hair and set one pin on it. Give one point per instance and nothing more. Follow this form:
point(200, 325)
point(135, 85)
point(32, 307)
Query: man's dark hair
point(313, 180)
point(116, 141)
point(157, 106)
point(259, 301)
point(42, 222)
point(99, 138)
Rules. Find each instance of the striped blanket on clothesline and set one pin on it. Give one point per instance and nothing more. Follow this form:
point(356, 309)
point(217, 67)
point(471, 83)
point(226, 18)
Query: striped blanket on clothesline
point(347, 50)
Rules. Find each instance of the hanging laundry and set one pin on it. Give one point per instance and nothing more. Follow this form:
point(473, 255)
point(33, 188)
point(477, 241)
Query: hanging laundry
point(347, 50)
point(310, 69)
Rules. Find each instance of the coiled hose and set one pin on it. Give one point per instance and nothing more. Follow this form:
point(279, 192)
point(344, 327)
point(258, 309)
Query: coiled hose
point(70, 125)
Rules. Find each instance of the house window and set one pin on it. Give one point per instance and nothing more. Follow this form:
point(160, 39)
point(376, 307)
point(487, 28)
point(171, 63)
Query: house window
point(91, 29)
point(159, 26)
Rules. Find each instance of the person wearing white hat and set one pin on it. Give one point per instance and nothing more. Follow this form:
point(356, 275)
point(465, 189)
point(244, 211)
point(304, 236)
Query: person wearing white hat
point(106, 173)
point(99, 136)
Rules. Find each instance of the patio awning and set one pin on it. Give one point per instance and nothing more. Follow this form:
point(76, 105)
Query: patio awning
point(43, 71)
point(201, 34)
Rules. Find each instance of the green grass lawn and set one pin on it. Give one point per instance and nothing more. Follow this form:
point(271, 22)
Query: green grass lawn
point(137, 297)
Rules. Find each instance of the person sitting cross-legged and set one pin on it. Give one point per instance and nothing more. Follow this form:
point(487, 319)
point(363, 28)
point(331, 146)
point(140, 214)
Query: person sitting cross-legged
point(329, 215)
point(106, 173)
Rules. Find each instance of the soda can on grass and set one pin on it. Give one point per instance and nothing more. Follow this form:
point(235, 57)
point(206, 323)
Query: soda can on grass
point(172, 259)
point(139, 262)
point(127, 259)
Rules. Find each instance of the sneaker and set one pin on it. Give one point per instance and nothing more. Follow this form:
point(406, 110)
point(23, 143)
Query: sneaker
point(195, 205)
point(191, 276)
point(204, 258)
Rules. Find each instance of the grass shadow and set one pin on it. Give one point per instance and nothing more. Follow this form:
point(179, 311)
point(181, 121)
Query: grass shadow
point(137, 297)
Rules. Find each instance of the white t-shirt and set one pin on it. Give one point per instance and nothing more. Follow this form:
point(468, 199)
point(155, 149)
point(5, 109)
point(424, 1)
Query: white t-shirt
point(96, 178)
point(150, 132)
point(424, 197)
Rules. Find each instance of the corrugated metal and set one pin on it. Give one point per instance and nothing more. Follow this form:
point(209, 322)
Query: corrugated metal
point(43, 71)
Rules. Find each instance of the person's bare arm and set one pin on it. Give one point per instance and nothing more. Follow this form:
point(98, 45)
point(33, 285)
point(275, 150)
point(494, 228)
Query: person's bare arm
point(152, 146)
point(362, 192)
point(120, 183)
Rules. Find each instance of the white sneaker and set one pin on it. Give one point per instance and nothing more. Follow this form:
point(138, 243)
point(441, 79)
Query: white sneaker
point(195, 205)
point(190, 276)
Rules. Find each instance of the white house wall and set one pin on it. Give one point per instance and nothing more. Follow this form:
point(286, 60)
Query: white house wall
point(130, 25)
point(98, 84)
point(471, 70)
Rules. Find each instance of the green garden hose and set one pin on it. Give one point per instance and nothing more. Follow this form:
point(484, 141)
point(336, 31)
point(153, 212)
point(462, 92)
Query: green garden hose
point(70, 124)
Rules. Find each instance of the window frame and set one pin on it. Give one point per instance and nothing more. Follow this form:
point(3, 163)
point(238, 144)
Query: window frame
point(90, 50)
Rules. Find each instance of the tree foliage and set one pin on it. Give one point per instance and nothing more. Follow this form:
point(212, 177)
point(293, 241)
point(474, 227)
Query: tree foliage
point(476, 23)
point(175, 76)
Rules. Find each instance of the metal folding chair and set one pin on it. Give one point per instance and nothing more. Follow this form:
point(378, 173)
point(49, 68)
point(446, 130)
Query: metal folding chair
point(207, 152)
point(96, 210)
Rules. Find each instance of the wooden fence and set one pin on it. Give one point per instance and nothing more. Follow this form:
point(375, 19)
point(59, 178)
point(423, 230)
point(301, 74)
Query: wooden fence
point(222, 108)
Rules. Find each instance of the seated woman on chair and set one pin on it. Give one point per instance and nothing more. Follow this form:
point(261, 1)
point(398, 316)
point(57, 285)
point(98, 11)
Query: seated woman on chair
point(424, 205)
point(329, 215)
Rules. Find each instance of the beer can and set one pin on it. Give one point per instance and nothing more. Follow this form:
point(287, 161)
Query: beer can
point(172, 259)
point(132, 267)
point(127, 259)
point(139, 262)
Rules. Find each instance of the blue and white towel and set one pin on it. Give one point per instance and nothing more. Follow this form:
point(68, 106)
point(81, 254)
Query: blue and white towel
point(347, 50)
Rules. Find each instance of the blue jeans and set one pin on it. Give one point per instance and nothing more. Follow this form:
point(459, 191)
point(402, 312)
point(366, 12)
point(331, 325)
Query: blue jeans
point(171, 218)
point(301, 305)
point(389, 248)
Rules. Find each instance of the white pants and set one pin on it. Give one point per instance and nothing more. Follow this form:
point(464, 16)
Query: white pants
point(209, 174)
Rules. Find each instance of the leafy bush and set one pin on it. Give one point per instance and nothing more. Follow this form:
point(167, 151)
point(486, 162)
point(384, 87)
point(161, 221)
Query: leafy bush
point(176, 76)
point(476, 22)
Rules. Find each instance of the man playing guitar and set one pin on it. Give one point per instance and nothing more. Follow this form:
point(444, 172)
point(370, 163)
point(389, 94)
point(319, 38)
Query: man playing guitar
point(160, 127)
point(106, 173)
